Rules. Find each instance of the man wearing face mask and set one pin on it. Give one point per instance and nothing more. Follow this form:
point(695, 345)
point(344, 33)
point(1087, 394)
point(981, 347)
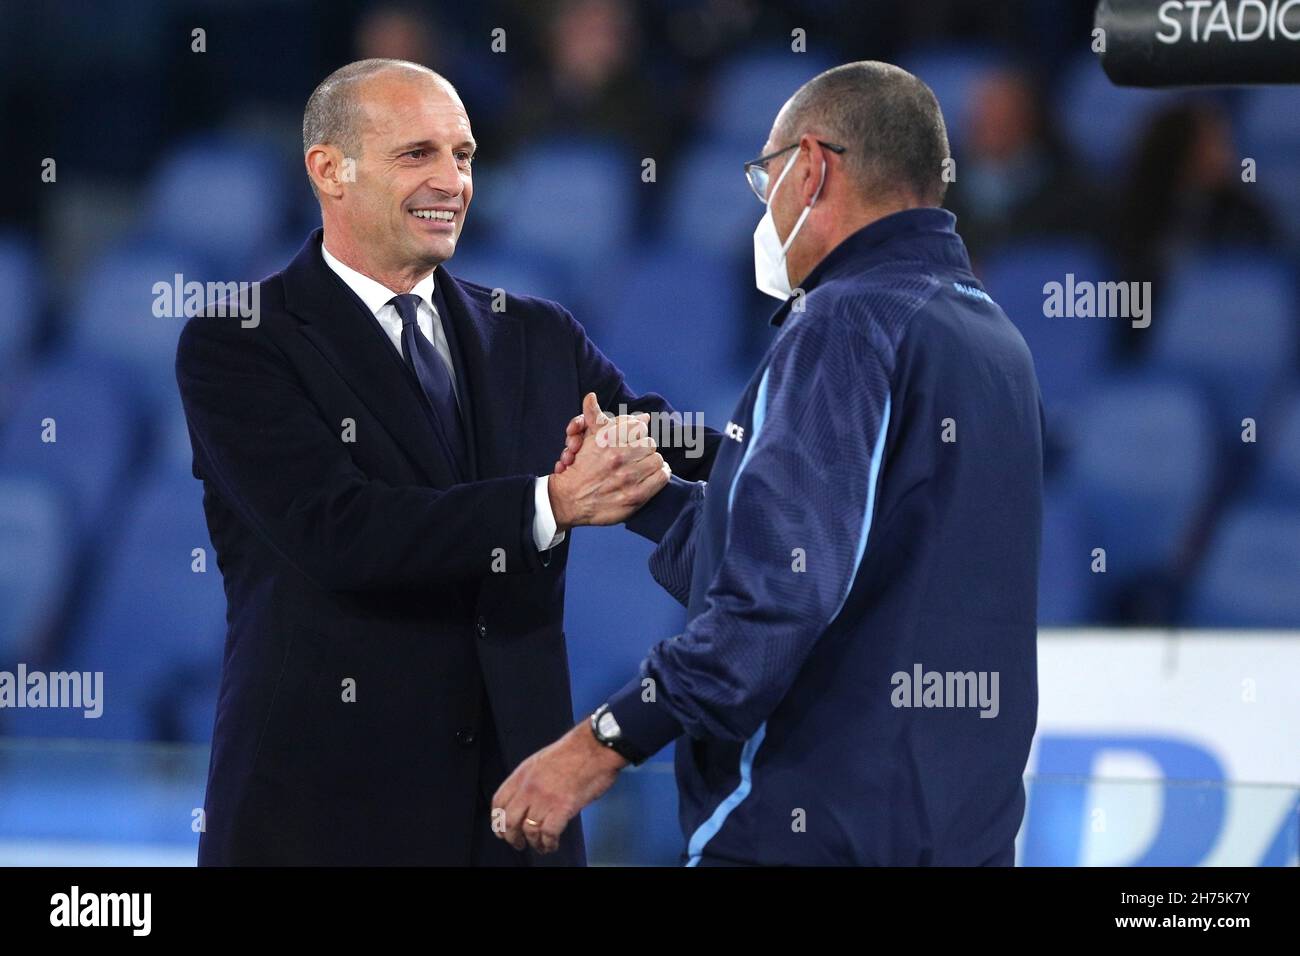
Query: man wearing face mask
point(857, 682)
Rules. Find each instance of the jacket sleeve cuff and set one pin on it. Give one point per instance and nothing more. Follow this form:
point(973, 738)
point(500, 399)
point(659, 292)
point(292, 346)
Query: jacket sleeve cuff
point(657, 515)
point(646, 726)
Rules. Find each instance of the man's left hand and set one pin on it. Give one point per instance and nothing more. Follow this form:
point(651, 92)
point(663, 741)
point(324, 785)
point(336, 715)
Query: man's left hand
point(548, 789)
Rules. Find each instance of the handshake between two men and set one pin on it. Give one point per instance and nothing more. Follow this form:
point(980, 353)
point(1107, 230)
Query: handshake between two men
point(609, 468)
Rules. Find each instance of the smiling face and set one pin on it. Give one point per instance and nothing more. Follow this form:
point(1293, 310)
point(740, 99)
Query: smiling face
point(403, 210)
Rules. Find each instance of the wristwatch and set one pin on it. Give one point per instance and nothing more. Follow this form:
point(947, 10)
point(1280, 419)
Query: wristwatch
point(605, 728)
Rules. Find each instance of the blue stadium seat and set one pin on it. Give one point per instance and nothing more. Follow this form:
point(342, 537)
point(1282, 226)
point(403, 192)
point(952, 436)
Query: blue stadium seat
point(1268, 121)
point(171, 447)
point(515, 272)
point(114, 313)
point(1070, 354)
point(193, 706)
point(749, 90)
point(153, 626)
point(1278, 440)
point(1228, 323)
point(20, 293)
point(35, 560)
point(710, 206)
point(572, 201)
point(1065, 581)
point(1142, 469)
point(1103, 122)
point(1270, 135)
point(1279, 180)
point(670, 319)
point(614, 611)
point(952, 71)
point(219, 198)
point(96, 433)
point(275, 258)
point(1249, 577)
point(636, 823)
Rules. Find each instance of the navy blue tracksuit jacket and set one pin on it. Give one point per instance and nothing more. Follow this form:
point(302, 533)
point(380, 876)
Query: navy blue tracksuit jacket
point(857, 680)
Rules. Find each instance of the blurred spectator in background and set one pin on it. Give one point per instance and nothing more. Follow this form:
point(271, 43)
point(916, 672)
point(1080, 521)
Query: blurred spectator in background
point(396, 32)
point(1016, 180)
point(589, 77)
point(405, 30)
point(1183, 193)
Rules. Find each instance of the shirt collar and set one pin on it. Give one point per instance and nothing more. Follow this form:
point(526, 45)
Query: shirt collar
point(927, 234)
point(374, 294)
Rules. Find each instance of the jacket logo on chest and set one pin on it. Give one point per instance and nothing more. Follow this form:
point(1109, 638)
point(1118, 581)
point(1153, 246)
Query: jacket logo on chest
point(734, 432)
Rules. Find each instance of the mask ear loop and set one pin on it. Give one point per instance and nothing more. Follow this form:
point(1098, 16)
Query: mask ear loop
point(819, 185)
point(780, 179)
point(785, 247)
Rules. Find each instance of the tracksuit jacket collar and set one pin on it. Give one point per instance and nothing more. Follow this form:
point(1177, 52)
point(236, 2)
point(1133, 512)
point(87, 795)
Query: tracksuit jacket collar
point(927, 234)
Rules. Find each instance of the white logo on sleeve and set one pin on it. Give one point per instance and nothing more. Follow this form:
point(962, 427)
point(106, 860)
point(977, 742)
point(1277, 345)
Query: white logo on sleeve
point(734, 431)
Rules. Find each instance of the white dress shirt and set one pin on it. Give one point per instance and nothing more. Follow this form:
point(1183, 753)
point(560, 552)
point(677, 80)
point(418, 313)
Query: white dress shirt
point(378, 299)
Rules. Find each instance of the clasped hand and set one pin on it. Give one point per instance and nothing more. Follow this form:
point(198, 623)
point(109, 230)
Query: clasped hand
point(609, 468)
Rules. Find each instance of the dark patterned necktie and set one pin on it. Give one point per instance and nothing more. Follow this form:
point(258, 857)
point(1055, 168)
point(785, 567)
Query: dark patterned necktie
point(432, 373)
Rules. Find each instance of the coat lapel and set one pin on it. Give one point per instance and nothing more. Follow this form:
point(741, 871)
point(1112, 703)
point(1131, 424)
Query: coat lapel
point(349, 338)
point(464, 394)
point(489, 351)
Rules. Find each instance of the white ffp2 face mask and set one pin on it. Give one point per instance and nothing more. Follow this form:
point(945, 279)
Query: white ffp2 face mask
point(770, 275)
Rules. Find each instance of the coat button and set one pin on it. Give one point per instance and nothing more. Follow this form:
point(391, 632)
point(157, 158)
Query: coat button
point(482, 627)
point(465, 738)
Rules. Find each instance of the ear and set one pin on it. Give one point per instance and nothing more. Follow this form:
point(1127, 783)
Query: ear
point(325, 167)
point(812, 173)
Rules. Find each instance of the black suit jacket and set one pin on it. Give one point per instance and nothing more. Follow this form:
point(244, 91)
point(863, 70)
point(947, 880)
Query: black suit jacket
point(380, 597)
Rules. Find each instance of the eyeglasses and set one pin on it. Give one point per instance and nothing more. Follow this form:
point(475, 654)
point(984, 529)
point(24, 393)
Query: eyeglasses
point(756, 169)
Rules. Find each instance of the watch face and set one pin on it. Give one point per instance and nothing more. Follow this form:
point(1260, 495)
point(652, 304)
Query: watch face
point(608, 726)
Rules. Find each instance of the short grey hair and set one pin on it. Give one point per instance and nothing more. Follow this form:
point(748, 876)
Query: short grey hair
point(888, 121)
point(334, 114)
